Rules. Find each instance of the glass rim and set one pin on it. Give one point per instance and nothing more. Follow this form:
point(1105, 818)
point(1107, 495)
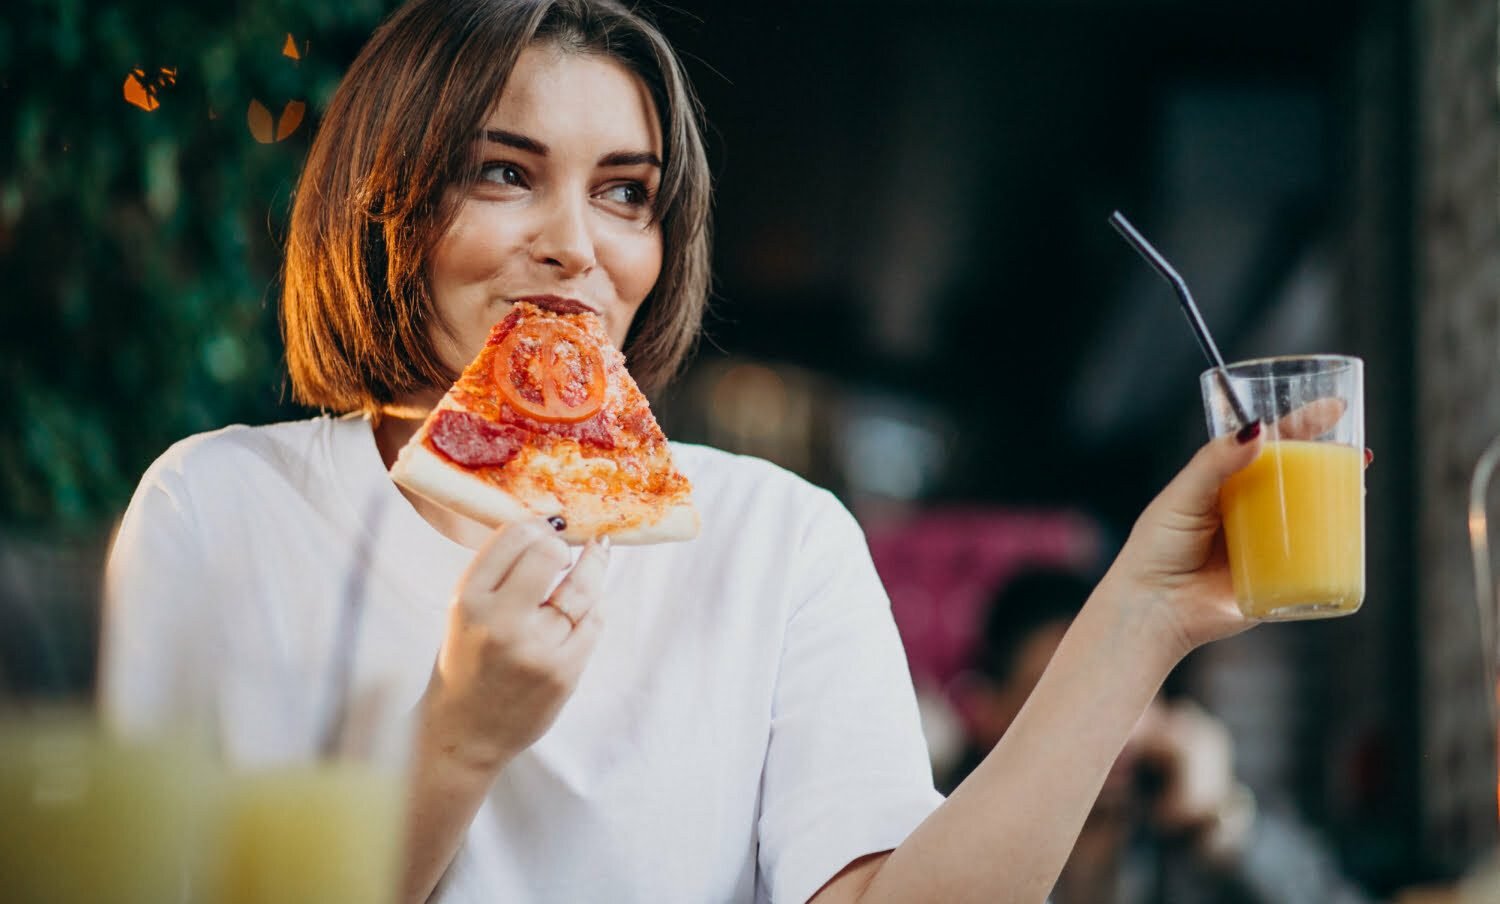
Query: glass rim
point(1235, 369)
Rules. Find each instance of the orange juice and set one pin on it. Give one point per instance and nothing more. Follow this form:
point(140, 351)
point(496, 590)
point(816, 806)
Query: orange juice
point(1294, 525)
point(86, 818)
point(313, 834)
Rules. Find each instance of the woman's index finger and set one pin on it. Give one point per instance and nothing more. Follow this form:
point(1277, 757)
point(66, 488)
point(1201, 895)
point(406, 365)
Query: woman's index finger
point(1309, 421)
point(495, 559)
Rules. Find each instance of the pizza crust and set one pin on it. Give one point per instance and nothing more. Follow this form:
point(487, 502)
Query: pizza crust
point(680, 522)
point(427, 474)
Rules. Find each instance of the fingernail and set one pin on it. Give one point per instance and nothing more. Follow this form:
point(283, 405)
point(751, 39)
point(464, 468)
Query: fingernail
point(1248, 432)
point(557, 522)
point(1369, 457)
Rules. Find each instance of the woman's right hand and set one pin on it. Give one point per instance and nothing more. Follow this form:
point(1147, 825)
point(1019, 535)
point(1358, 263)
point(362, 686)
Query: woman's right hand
point(513, 654)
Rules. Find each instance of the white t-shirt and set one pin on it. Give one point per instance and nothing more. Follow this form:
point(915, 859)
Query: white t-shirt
point(745, 728)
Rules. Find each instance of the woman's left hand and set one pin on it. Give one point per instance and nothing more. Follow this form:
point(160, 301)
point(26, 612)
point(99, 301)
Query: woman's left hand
point(1174, 561)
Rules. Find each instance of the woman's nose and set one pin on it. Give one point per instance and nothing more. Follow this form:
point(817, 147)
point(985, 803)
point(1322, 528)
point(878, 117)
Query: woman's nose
point(563, 239)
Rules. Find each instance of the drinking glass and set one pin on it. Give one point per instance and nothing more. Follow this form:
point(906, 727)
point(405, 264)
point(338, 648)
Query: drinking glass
point(89, 817)
point(1294, 519)
point(314, 792)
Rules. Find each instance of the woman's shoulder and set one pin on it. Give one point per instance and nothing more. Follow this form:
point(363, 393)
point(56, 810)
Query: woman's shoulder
point(239, 449)
point(741, 489)
point(715, 470)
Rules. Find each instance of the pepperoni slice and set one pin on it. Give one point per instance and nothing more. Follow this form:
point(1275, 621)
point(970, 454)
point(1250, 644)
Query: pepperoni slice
point(472, 441)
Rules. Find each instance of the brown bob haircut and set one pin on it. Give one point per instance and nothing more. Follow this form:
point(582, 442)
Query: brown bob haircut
point(374, 199)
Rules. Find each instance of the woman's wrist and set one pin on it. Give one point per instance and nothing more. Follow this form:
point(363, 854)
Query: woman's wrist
point(1144, 619)
point(443, 742)
point(447, 786)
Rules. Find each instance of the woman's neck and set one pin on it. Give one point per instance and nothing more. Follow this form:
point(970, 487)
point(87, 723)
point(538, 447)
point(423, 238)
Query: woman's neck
point(394, 426)
point(393, 430)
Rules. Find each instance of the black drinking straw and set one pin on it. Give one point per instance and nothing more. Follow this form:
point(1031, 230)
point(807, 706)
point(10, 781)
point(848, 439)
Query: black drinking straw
point(1200, 329)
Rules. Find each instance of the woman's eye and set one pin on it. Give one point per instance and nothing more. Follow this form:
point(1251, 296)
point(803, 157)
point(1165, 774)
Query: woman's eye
point(502, 174)
point(632, 194)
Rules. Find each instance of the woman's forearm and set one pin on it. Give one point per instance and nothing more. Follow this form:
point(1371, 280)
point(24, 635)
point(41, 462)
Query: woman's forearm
point(443, 796)
point(504, 671)
point(1006, 832)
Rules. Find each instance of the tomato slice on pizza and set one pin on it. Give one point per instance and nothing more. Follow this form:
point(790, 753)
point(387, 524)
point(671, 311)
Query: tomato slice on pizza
point(547, 421)
point(550, 370)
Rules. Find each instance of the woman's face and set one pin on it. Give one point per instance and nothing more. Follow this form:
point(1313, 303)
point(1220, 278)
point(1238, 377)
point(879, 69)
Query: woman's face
point(570, 161)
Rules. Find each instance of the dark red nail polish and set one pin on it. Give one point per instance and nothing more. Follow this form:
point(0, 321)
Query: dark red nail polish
point(1369, 457)
point(1248, 432)
point(557, 522)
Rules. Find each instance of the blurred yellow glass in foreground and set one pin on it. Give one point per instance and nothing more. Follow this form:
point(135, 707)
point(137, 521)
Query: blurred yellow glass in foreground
point(311, 834)
point(87, 818)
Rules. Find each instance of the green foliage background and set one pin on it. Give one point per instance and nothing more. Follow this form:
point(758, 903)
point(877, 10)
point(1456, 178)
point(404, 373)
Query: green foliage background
point(139, 250)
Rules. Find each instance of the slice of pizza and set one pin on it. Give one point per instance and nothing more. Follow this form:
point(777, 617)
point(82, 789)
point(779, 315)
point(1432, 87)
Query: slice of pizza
point(547, 422)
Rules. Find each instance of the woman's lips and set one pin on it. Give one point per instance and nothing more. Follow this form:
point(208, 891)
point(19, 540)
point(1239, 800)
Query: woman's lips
point(557, 304)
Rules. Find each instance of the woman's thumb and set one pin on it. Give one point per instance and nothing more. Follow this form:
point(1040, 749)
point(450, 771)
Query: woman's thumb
point(1195, 491)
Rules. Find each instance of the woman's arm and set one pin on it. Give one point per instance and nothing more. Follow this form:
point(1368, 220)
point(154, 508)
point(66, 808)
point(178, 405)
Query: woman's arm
point(1006, 832)
point(443, 797)
point(506, 667)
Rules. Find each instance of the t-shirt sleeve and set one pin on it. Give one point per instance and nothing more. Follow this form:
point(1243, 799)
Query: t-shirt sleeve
point(847, 771)
point(155, 636)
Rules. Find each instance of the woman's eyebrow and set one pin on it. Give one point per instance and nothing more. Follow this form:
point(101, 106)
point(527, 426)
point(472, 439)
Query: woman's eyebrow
point(531, 145)
point(517, 141)
point(630, 158)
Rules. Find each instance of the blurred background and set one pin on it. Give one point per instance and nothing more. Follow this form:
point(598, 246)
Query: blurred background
point(918, 304)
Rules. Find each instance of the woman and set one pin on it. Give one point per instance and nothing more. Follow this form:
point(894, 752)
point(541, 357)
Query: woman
point(741, 725)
